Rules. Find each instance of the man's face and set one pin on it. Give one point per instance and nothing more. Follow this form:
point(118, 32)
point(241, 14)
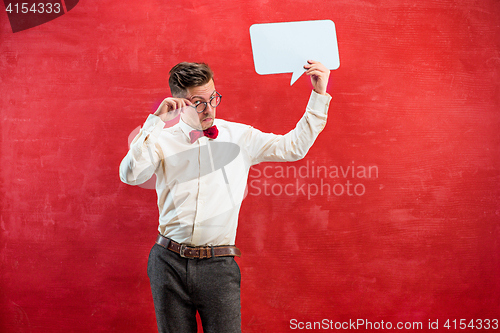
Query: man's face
point(202, 93)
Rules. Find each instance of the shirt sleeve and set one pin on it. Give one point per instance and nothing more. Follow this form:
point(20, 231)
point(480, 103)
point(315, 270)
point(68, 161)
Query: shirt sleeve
point(143, 157)
point(268, 147)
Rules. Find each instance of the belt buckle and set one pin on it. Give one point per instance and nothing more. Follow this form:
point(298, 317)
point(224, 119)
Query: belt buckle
point(181, 251)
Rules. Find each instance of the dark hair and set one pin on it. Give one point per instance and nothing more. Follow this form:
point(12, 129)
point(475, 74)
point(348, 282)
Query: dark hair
point(186, 75)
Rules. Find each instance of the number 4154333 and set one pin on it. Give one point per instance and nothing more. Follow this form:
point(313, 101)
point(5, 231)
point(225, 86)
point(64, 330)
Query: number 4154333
point(477, 324)
point(36, 8)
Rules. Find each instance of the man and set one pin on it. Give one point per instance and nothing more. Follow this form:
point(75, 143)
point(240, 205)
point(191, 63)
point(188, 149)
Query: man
point(202, 166)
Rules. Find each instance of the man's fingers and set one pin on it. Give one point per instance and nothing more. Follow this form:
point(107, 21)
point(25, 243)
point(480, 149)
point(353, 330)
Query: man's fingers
point(316, 69)
point(171, 107)
point(173, 104)
point(312, 63)
point(315, 72)
point(319, 75)
point(184, 108)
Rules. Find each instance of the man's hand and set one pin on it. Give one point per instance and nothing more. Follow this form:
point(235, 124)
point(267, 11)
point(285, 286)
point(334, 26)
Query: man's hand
point(171, 107)
point(319, 76)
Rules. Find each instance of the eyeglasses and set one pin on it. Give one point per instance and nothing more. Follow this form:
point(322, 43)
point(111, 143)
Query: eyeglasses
point(214, 102)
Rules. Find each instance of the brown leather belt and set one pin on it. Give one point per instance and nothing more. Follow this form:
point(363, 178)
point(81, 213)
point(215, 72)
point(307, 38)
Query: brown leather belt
point(199, 252)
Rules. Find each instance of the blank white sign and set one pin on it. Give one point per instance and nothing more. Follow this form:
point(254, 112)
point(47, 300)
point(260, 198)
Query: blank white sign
point(285, 47)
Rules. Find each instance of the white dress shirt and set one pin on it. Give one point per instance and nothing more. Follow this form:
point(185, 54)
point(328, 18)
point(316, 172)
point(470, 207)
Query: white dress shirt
point(200, 186)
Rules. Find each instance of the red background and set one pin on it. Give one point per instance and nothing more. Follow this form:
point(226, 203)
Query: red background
point(417, 95)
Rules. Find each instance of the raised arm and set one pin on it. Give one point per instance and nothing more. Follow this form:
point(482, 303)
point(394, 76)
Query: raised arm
point(144, 156)
point(267, 147)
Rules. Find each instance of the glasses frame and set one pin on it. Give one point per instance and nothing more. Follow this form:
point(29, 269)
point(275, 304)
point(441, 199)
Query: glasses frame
point(209, 101)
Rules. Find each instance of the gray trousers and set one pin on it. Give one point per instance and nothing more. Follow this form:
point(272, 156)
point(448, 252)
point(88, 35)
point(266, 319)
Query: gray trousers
point(182, 286)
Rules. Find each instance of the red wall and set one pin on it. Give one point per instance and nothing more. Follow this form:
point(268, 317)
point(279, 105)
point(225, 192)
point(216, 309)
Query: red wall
point(416, 98)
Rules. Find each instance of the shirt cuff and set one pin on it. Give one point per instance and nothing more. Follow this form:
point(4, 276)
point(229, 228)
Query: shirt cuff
point(319, 102)
point(153, 126)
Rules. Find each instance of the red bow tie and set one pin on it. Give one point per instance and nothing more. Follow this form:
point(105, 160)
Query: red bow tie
point(211, 133)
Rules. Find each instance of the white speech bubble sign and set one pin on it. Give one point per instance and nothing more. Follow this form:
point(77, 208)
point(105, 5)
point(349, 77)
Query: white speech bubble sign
point(285, 47)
